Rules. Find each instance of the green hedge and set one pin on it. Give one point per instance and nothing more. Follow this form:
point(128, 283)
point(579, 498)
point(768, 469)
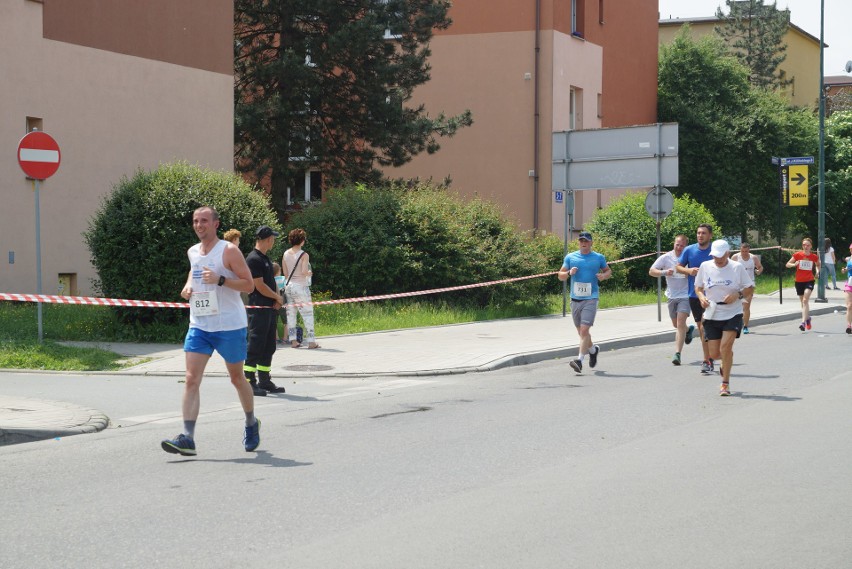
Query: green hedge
point(626, 223)
point(378, 241)
point(139, 235)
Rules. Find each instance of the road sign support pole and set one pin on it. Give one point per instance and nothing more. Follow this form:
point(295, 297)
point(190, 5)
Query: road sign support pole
point(780, 253)
point(821, 191)
point(38, 259)
point(659, 279)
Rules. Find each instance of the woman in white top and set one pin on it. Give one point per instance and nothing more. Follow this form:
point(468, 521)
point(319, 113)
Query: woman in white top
point(752, 266)
point(830, 264)
point(297, 263)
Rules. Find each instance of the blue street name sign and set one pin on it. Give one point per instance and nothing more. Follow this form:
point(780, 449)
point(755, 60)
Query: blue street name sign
point(797, 160)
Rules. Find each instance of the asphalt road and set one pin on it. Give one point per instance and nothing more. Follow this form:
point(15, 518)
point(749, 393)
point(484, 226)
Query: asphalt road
point(636, 464)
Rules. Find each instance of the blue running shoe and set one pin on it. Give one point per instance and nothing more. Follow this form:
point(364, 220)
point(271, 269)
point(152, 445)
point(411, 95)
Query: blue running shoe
point(181, 444)
point(745, 330)
point(689, 332)
point(252, 436)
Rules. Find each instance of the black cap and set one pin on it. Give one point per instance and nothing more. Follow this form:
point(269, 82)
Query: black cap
point(264, 232)
point(585, 235)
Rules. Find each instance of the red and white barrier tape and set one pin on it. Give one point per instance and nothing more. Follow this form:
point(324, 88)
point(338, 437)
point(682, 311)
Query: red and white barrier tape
point(55, 299)
point(92, 300)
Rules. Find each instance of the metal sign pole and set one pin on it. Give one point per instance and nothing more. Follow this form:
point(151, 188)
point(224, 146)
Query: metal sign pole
point(564, 253)
point(659, 280)
point(38, 260)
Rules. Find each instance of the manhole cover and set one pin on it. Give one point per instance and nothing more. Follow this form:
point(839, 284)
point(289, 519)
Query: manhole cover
point(308, 368)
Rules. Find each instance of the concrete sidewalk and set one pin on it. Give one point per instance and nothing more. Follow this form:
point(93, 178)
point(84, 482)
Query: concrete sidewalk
point(454, 349)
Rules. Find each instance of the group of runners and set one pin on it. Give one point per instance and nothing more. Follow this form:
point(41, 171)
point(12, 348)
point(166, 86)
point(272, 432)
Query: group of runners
point(702, 279)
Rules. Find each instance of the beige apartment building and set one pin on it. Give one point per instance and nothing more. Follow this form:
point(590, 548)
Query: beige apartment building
point(801, 66)
point(527, 69)
point(120, 85)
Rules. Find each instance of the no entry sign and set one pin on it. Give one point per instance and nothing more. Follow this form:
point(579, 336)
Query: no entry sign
point(38, 155)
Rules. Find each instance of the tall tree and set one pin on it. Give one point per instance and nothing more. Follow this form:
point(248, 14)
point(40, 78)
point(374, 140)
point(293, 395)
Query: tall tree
point(729, 131)
point(755, 33)
point(838, 185)
point(327, 85)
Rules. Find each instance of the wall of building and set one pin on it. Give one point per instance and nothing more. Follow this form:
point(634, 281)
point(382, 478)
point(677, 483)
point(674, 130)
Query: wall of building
point(111, 113)
point(485, 62)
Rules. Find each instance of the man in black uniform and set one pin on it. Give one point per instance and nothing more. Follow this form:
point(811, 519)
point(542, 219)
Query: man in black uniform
point(262, 321)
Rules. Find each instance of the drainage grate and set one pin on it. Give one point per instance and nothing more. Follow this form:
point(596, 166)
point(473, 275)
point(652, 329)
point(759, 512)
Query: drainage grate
point(308, 368)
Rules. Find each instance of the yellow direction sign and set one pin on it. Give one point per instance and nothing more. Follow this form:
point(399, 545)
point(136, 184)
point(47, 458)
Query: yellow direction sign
point(798, 184)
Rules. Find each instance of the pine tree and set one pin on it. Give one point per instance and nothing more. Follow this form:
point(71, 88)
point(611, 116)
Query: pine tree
point(327, 85)
point(755, 33)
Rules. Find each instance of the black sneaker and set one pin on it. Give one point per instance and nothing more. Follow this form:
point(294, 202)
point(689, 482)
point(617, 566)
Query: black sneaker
point(576, 365)
point(593, 356)
point(257, 390)
point(849, 329)
point(802, 326)
point(181, 444)
point(270, 387)
point(676, 359)
point(707, 366)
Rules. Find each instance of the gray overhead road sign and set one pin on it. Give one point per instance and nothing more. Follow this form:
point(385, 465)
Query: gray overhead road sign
point(612, 158)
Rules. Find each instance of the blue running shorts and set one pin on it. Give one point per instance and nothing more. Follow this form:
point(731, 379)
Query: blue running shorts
point(230, 344)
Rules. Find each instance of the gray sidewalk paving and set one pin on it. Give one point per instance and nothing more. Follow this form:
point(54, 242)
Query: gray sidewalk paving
point(438, 350)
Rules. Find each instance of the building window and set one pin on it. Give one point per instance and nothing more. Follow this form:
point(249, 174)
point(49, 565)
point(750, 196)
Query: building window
point(572, 108)
point(577, 18)
point(390, 34)
point(34, 123)
point(575, 109)
point(305, 187)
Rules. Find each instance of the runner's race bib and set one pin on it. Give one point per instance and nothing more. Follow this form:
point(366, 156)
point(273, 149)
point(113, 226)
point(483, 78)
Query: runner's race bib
point(204, 303)
point(806, 265)
point(581, 289)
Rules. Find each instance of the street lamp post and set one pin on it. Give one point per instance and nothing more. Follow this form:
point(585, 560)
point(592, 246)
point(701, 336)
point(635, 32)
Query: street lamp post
point(821, 191)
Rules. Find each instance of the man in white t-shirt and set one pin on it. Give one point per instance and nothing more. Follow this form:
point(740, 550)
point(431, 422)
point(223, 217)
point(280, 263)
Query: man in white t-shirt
point(677, 291)
point(720, 286)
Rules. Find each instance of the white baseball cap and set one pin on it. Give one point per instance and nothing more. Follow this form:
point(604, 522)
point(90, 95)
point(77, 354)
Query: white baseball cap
point(719, 248)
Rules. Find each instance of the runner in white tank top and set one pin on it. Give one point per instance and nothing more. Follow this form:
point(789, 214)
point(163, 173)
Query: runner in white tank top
point(217, 276)
point(751, 263)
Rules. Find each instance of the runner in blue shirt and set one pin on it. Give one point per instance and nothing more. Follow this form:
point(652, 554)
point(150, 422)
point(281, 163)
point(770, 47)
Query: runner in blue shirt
point(688, 264)
point(585, 268)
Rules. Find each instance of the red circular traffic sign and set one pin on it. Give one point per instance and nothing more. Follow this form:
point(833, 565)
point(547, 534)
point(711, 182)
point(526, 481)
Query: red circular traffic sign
point(38, 155)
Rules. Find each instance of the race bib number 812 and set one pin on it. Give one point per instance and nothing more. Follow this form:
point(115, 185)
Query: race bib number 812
point(204, 303)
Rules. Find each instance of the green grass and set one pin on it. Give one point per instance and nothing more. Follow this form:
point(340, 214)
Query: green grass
point(52, 356)
point(19, 346)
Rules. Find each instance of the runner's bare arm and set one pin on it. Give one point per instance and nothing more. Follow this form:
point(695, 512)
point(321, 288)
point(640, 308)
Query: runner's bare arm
point(187, 287)
point(235, 262)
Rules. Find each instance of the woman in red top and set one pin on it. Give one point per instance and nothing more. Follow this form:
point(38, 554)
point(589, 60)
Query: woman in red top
point(807, 269)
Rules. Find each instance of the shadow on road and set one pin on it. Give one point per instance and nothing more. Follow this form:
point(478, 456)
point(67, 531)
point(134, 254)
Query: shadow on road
point(260, 458)
point(769, 397)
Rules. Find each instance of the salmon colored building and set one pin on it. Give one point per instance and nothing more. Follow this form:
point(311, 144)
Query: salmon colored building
point(120, 85)
point(527, 69)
